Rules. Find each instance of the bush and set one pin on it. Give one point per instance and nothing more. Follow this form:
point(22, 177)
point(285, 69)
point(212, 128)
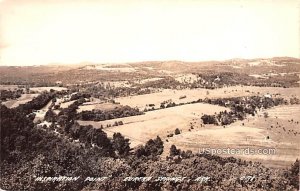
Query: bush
point(209, 119)
point(121, 144)
point(152, 148)
point(294, 174)
point(177, 131)
point(174, 151)
point(50, 116)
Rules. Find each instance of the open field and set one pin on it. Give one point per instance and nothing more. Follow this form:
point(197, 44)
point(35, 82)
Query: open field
point(253, 134)
point(9, 87)
point(114, 68)
point(250, 133)
point(40, 114)
point(141, 101)
point(161, 122)
point(21, 100)
point(98, 106)
point(41, 89)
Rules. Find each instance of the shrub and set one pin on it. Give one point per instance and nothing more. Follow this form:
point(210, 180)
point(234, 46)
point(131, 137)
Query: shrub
point(174, 151)
point(209, 119)
point(121, 144)
point(177, 131)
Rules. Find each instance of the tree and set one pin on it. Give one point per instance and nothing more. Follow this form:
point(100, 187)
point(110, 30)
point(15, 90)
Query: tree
point(154, 147)
point(101, 140)
point(177, 131)
point(140, 151)
point(294, 174)
point(174, 151)
point(121, 144)
point(50, 116)
point(209, 119)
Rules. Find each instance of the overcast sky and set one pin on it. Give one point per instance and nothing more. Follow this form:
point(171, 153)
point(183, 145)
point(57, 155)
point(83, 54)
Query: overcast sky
point(34, 32)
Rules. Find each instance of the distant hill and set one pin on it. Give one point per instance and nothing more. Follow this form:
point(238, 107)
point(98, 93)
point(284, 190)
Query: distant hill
point(88, 71)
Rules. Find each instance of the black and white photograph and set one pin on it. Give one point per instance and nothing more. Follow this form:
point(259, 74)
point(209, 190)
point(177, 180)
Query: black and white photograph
point(149, 95)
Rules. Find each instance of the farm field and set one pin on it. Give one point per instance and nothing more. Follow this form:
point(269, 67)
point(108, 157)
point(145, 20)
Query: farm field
point(99, 106)
point(141, 101)
point(41, 89)
point(40, 114)
point(21, 100)
point(249, 133)
point(160, 122)
point(8, 87)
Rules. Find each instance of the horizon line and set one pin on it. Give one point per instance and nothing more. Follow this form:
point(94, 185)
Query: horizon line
point(145, 61)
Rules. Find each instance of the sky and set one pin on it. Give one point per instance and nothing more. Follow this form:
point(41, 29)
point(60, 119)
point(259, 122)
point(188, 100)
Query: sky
point(37, 32)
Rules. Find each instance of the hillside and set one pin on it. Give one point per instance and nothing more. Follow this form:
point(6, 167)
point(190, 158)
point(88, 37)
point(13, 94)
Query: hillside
point(30, 155)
